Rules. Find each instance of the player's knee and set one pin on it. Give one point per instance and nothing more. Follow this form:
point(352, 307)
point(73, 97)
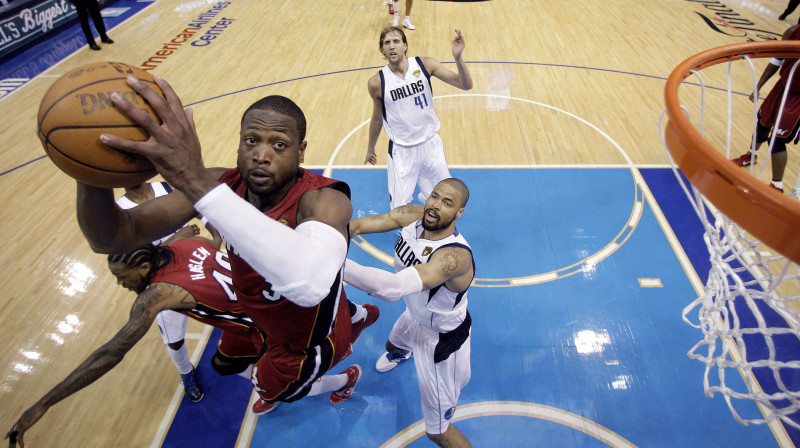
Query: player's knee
point(780, 146)
point(229, 366)
point(175, 345)
point(762, 133)
point(438, 439)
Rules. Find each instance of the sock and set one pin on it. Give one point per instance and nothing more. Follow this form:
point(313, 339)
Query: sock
point(361, 313)
point(777, 184)
point(246, 373)
point(328, 383)
point(180, 358)
point(406, 18)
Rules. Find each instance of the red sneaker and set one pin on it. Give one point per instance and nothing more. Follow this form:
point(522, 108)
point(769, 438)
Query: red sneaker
point(353, 375)
point(373, 312)
point(262, 407)
point(744, 159)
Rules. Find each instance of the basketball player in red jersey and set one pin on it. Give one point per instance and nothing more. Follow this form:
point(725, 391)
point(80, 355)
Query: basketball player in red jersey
point(189, 276)
point(285, 229)
point(786, 127)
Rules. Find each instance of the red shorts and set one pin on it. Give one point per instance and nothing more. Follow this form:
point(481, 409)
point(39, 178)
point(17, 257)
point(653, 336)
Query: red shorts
point(283, 375)
point(791, 111)
point(244, 343)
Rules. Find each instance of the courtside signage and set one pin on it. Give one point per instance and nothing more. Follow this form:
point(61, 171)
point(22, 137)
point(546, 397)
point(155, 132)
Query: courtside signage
point(200, 32)
point(725, 20)
point(23, 26)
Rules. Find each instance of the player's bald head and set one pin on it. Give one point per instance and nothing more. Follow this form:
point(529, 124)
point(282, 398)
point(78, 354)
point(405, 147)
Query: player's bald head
point(460, 187)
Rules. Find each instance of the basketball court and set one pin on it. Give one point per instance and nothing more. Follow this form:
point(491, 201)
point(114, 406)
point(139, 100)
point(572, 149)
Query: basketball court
point(587, 250)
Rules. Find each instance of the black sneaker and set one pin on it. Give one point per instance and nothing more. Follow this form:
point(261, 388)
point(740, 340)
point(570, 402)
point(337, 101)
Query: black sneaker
point(191, 385)
point(94, 46)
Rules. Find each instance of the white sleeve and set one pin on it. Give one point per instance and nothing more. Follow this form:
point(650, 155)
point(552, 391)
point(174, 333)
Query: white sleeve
point(382, 284)
point(300, 263)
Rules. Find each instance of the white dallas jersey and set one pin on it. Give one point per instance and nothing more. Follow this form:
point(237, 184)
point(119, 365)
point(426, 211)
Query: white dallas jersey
point(159, 189)
point(437, 308)
point(408, 116)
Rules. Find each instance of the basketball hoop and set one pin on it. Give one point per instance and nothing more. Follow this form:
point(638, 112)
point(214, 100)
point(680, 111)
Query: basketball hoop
point(751, 306)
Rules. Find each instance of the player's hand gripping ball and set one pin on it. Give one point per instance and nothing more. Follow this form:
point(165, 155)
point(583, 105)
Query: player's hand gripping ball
point(78, 108)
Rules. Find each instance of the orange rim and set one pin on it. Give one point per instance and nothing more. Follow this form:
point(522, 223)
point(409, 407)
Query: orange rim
point(767, 214)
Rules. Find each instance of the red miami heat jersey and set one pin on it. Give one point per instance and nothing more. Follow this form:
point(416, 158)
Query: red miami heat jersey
point(205, 272)
point(772, 103)
point(295, 327)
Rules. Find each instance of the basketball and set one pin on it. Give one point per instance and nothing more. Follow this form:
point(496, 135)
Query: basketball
point(77, 109)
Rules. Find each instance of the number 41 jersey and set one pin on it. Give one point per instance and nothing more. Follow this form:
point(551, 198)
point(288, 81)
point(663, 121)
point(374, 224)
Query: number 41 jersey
point(408, 116)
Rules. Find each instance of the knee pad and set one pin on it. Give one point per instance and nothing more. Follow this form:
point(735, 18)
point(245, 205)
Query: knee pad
point(225, 366)
point(762, 133)
point(780, 146)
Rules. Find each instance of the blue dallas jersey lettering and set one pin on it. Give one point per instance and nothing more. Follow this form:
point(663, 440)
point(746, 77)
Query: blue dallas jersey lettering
point(408, 116)
point(438, 308)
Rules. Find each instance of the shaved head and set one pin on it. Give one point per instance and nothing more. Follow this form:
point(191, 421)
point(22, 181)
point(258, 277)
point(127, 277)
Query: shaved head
point(460, 187)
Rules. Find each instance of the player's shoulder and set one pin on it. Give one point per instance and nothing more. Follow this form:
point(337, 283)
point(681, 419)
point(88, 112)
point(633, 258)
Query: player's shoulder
point(792, 33)
point(428, 61)
point(325, 197)
point(374, 81)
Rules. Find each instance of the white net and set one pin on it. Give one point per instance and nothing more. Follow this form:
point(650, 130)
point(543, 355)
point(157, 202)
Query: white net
point(750, 310)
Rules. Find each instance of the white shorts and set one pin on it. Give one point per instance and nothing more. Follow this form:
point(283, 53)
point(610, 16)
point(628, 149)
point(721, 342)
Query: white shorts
point(439, 383)
point(172, 325)
point(409, 166)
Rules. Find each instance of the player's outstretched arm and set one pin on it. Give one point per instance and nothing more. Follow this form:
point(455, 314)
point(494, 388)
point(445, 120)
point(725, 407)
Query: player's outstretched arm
point(451, 266)
point(157, 297)
point(395, 219)
point(112, 230)
point(376, 122)
point(462, 79)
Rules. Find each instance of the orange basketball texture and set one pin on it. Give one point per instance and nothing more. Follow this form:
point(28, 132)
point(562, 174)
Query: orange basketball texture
point(78, 108)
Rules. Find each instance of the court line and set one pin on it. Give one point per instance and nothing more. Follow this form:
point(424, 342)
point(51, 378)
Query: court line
point(517, 408)
point(177, 396)
point(583, 265)
point(776, 427)
point(249, 424)
point(43, 74)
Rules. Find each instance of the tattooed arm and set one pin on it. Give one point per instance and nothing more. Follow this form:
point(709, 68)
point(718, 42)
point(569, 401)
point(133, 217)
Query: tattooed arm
point(395, 219)
point(159, 296)
point(451, 266)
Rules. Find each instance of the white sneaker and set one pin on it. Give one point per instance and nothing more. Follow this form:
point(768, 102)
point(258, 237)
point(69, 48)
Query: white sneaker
point(407, 23)
point(389, 361)
point(396, 19)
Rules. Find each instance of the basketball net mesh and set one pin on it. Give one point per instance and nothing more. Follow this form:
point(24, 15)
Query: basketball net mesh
point(747, 312)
